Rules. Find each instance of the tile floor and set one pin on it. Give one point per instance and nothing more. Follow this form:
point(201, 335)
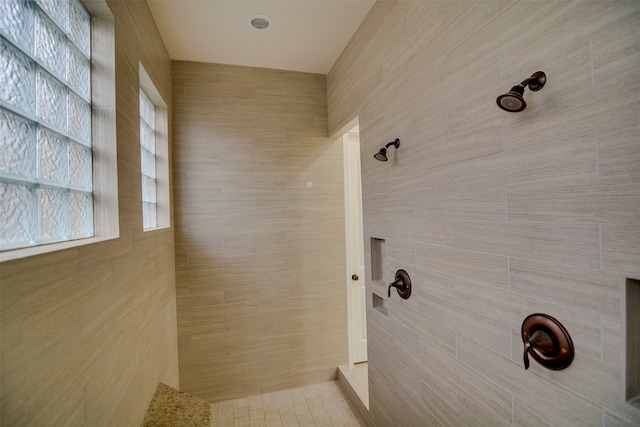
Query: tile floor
point(323, 404)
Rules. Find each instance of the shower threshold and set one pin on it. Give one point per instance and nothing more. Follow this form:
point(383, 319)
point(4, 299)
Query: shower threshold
point(356, 381)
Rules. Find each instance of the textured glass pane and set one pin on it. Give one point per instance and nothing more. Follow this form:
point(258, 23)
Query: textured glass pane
point(18, 213)
point(148, 163)
point(79, 119)
point(55, 34)
point(52, 101)
point(16, 23)
point(53, 157)
point(51, 46)
point(147, 137)
point(80, 215)
point(148, 215)
point(79, 166)
point(57, 10)
point(17, 145)
point(79, 26)
point(78, 69)
point(17, 79)
point(148, 189)
point(146, 109)
point(53, 214)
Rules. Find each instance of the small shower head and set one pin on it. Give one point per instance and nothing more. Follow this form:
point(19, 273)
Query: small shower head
point(382, 154)
point(513, 101)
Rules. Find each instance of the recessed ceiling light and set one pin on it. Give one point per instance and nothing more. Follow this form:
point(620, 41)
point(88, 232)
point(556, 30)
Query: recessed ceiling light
point(260, 21)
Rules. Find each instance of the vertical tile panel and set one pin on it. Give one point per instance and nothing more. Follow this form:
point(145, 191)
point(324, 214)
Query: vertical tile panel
point(249, 141)
point(88, 333)
point(541, 205)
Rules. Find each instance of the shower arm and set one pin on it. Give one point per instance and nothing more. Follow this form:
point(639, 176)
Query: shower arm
point(396, 143)
point(535, 82)
point(527, 82)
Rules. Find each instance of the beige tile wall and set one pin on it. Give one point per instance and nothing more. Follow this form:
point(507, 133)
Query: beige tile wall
point(260, 257)
point(87, 333)
point(497, 215)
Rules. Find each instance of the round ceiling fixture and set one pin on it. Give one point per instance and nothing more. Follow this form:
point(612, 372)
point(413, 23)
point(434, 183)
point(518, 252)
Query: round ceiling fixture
point(260, 21)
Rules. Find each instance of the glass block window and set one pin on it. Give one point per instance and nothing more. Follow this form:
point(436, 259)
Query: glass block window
point(45, 123)
point(148, 161)
point(154, 156)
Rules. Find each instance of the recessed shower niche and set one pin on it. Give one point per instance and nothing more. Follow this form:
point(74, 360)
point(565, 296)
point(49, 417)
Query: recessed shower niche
point(632, 377)
point(377, 255)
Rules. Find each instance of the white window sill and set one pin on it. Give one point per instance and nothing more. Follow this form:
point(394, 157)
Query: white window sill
point(156, 228)
point(14, 254)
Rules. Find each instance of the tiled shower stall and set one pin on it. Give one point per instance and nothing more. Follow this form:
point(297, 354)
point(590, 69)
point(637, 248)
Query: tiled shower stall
point(494, 215)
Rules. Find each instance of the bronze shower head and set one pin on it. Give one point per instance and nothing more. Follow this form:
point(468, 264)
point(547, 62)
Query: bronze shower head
point(382, 154)
point(513, 101)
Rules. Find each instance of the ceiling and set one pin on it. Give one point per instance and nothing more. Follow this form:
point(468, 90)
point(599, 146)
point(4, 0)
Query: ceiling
point(306, 35)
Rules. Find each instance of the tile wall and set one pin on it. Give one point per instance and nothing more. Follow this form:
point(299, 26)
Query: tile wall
point(88, 333)
point(497, 215)
point(260, 243)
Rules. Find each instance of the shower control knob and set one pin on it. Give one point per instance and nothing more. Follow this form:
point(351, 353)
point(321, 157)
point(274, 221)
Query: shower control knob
point(402, 284)
point(354, 277)
point(547, 341)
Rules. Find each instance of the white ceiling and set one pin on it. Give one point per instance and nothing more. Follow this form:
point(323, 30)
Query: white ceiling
point(306, 35)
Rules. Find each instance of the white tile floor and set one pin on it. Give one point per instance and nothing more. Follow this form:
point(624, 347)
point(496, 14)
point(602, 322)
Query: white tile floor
point(322, 404)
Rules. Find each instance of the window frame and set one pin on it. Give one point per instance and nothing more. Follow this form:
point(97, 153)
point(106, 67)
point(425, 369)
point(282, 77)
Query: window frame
point(103, 137)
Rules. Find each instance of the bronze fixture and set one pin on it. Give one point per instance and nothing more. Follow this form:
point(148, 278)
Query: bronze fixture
point(513, 100)
point(547, 341)
point(382, 154)
point(402, 284)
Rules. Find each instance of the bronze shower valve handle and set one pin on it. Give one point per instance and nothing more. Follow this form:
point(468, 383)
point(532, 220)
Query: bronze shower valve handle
point(402, 284)
point(547, 341)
